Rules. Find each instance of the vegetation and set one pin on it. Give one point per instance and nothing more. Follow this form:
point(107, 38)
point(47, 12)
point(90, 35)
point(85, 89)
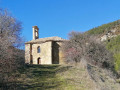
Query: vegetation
point(51, 77)
point(85, 47)
point(81, 47)
point(114, 46)
point(104, 28)
point(96, 58)
point(10, 40)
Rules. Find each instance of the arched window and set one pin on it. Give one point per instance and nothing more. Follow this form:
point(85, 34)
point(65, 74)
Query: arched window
point(38, 49)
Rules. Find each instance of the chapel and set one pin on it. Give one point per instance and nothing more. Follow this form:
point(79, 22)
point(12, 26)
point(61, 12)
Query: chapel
point(44, 50)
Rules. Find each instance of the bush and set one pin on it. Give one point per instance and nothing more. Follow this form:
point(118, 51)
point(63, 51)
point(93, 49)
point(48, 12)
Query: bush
point(114, 46)
point(74, 48)
point(117, 61)
point(84, 46)
point(97, 54)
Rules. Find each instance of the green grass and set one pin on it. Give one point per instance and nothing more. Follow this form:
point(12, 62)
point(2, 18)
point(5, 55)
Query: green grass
point(51, 77)
point(40, 77)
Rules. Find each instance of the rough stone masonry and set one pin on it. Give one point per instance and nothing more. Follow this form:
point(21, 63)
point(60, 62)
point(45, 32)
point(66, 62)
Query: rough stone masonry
point(44, 50)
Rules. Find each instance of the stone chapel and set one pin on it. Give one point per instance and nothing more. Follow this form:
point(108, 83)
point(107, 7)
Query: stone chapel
point(44, 50)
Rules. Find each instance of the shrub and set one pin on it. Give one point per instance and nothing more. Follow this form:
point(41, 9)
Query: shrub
point(87, 47)
point(114, 46)
point(97, 54)
point(117, 61)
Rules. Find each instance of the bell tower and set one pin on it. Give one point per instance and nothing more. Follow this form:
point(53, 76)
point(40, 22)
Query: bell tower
point(35, 32)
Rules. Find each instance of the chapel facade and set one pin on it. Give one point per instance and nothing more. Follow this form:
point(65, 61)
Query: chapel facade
point(44, 50)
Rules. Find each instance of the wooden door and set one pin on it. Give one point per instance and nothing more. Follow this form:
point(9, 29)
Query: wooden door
point(39, 61)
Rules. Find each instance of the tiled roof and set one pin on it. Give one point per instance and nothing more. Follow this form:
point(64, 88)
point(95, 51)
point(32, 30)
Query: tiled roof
point(42, 40)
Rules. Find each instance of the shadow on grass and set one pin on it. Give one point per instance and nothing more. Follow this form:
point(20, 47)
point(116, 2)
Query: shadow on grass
point(41, 77)
point(41, 86)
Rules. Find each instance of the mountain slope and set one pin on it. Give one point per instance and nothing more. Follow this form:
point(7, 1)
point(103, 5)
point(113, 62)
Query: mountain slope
point(105, 28)
point(110, 33)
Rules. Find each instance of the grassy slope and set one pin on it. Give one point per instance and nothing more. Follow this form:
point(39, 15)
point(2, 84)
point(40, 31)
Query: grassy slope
point(61, 77)
point(53, 77)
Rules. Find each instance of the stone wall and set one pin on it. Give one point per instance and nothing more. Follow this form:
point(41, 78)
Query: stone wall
point(57, 54)
point(45, 54)
point(27, 53)
point(50, 53)
point(61, 54)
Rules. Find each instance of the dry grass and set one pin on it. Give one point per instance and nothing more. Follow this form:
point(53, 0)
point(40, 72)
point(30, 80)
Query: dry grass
point(77, 78)
point(58, 77)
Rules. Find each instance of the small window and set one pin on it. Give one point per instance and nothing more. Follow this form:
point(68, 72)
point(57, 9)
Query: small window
point(38, 49)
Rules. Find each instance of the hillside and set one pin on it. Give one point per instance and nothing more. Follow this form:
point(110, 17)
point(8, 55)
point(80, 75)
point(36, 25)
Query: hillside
point(110, 33)
point(62, 77)
point(51, 77)
point(68, 77)
point(105, 28)
point(113, 45)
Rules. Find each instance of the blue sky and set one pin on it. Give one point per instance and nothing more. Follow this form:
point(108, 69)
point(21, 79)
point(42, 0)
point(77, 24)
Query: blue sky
point(59, 17)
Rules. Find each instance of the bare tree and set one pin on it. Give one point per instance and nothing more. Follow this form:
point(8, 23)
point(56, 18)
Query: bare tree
point(82, 46)
point(97, 54)
point(10, 40)
point(74, 48)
